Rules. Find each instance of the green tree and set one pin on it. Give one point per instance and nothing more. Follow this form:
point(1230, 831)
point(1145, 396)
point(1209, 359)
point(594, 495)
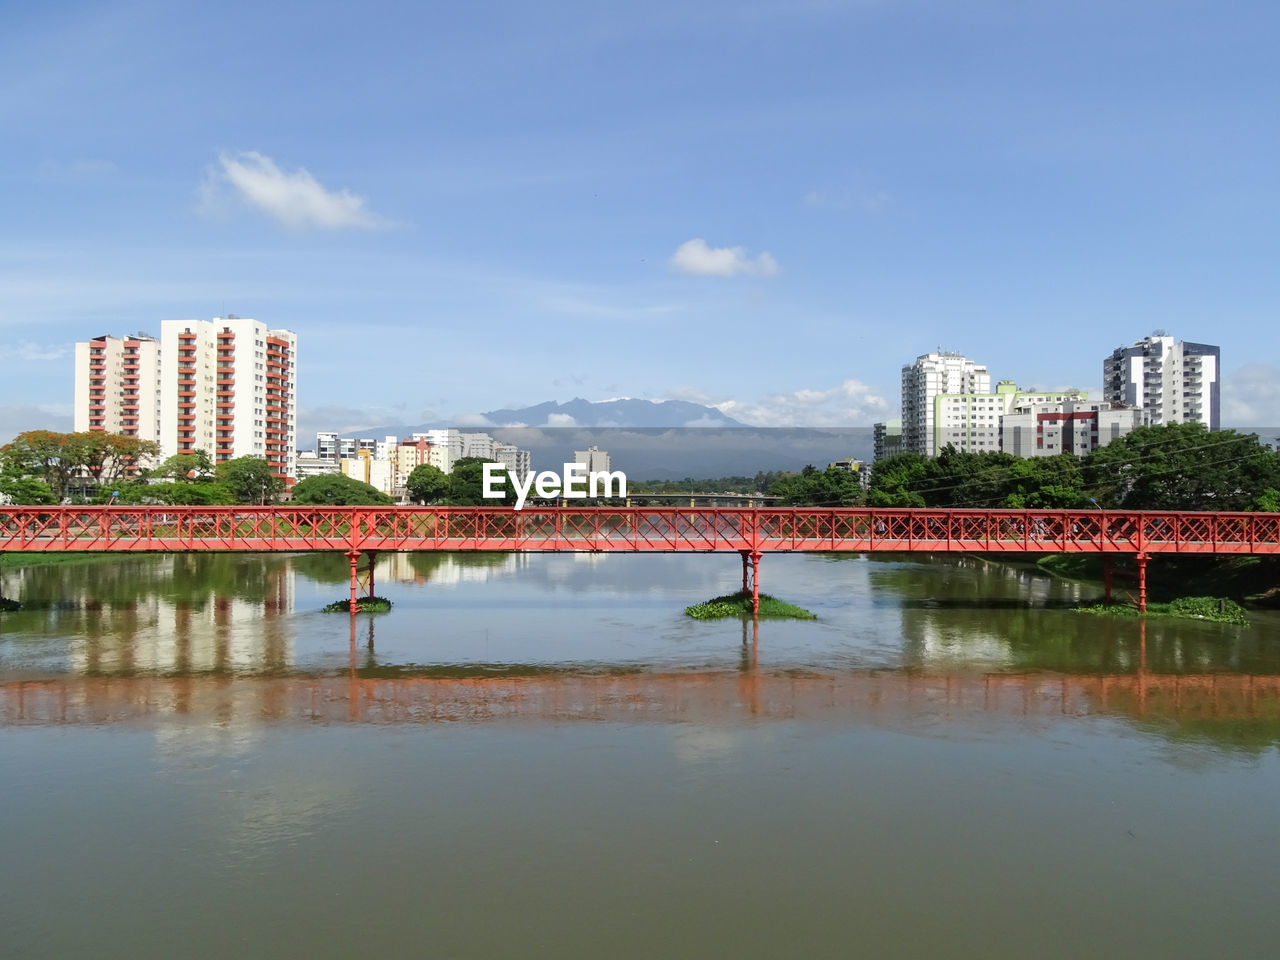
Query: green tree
point(466, 484)
point(18, 488)
point(107, 457)
point(812, 487)
point(338, 490)
point(1182, 466)
point(186, 467)
point(58, 458)
point(897, 481)
point(1045, 483)
point(1268, 500)
point(45, 455)
point(427, 484)
point(250, 480)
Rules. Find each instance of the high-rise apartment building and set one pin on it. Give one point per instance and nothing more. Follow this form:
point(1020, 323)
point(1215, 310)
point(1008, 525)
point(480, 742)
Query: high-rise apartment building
point(229, 386)
point(1173, 382)
point(117, 386)
point(931, 375)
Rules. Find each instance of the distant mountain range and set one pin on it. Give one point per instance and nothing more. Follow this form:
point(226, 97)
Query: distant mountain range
point(620, 412)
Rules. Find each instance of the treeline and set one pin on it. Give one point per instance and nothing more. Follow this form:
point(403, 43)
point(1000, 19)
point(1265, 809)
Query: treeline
point(760, 483)
point(46, 467)
point(1180, 466)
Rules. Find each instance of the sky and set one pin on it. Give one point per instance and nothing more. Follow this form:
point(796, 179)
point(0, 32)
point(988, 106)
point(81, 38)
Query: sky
point(766, 206)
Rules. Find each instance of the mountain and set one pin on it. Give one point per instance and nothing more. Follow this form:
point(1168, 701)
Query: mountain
point(622, 412)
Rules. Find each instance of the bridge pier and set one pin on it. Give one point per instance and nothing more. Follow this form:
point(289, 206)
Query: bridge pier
point(746, 562)
point(1106, 575)
point(1142, 583)
point(755, 582)
point(354, 557)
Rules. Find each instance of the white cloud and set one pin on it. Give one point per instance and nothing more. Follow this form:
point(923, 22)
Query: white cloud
point(27, 351)
point(696, 258)
point(560, 420)
point(851, 404)
point(293, 199)
point(1251, 397)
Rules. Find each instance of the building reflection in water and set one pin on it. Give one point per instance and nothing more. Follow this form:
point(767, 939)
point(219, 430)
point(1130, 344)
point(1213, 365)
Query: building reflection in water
point(212, 641)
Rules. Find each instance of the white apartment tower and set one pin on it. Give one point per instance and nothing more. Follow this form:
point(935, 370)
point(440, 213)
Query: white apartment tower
point(594, 459)
point(229, 386)
point(1171, 382)
point(117, 386)
point(931, 375)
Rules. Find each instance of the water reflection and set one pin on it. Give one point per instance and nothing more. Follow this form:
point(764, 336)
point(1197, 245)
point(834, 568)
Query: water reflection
point(235, 642)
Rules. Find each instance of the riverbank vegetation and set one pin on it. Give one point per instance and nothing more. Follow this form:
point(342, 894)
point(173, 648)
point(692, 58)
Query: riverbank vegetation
point(1249, 580)
point(739, 605)
point(363, 605)
point(1215, 609)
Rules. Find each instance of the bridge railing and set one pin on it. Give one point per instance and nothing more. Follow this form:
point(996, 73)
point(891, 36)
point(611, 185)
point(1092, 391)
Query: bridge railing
point(632, 529)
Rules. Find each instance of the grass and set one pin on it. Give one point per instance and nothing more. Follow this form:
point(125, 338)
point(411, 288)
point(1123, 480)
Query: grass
point(739, 605)
point(1215, 609)
point(23, 558)
point(363, 605)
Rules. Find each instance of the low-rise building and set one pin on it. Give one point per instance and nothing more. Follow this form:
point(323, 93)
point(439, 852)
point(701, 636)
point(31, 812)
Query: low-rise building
point(1070, 426)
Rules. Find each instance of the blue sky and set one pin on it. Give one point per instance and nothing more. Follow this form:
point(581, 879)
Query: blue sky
point(766, 205)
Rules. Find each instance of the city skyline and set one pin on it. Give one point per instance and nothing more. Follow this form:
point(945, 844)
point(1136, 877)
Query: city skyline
point(763, 207)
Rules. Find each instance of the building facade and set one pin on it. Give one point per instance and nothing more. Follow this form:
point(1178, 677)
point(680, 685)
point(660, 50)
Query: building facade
point(886, 438)
point(932, 375)
point(117, 386)
point(971, 422)
point(1173, 382)
point(595, 459)
point(229, 386)
point(1070, 426)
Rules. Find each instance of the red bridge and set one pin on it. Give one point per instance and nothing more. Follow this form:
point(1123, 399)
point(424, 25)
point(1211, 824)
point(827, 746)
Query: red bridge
point(749, 532)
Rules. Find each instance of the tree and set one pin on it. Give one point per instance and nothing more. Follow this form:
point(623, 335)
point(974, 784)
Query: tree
point(897, 480)
point(17, 488)
point(1182, 466)
point(186, 467)
point(57, 458)
point(106, 457)
point(427, 484)
point(337, 490)
point(466, 483)
point(1045, 483)
point(250, 480)
point(812, 487)
point(43, 454)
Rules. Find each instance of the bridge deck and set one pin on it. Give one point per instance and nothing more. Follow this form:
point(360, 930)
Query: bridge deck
point(633, 530)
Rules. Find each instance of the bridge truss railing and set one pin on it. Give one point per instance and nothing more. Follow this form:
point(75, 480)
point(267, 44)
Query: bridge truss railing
point(632, 529)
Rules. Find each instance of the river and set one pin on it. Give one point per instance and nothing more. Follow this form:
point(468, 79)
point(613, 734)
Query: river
point(540, 756)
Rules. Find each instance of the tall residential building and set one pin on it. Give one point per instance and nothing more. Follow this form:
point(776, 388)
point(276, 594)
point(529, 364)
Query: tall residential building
point(117, 386)
point(1171, 382)
point(518, 462)
point(933, 374)
point(1070, 426)
point(229, 386)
